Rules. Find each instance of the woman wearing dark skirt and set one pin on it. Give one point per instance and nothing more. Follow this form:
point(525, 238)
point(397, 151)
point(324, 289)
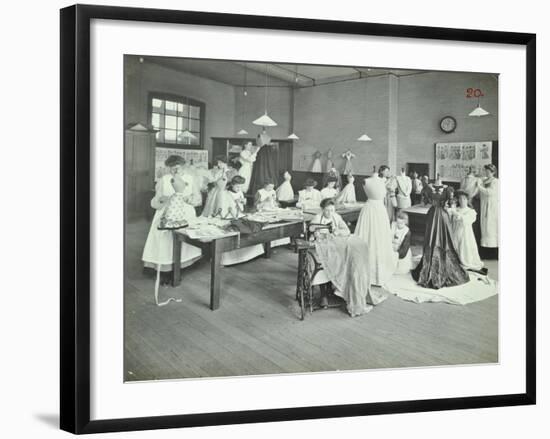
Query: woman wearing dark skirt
point(440, 265)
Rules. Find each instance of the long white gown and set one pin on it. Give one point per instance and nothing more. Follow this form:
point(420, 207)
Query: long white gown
point(373, 226)
point(347, 195)
point(463, 237)
point(285, 191)
point(247, 160)
point(158, 246)
point(489, 204)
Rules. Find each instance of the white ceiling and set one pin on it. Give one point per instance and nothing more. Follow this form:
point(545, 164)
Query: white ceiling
point(279, 74)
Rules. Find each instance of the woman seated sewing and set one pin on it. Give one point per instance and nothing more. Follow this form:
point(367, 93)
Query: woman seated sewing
point(344, 258)
point(266, 197)
point(329, 221)
point(309, 197)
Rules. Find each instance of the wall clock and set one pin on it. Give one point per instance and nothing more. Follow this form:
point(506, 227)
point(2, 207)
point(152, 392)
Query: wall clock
point(447, 124)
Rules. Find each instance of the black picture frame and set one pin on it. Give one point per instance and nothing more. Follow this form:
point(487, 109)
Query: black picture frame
point(75, 217)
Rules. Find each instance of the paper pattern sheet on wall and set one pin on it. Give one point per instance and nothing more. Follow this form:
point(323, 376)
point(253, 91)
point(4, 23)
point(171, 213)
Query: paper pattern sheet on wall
point(454, 160)
point(198, 157)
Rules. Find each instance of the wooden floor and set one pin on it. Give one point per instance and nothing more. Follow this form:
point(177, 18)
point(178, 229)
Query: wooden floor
point(257, 330)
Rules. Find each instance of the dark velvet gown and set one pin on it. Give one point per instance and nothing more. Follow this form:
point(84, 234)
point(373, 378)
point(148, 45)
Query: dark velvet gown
point(265, 168)
point(440, 265)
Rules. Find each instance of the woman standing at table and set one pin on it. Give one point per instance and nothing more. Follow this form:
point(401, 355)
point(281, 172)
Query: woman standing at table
point(157, 252)
point(489, 204)
point(247, 159)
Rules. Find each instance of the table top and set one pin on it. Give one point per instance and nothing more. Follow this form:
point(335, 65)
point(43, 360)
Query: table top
point(213, 231)
point(418, 209)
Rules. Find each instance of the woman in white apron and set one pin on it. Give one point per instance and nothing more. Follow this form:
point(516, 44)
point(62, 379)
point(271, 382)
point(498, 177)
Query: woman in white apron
point(157, 253)
point(489, 205)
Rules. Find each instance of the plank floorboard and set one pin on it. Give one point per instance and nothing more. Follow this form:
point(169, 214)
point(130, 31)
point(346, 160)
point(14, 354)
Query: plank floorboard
point(257, 330)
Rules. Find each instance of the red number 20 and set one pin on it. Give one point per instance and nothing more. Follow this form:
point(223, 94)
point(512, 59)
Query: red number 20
point(473, 92)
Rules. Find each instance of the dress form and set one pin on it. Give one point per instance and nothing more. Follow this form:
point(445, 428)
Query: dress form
point(404, 189)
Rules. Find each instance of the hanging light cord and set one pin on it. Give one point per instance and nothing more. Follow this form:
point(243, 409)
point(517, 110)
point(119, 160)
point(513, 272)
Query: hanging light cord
point(265, 89)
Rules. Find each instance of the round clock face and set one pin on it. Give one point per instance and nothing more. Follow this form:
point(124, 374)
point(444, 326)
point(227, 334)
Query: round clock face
point(448, 124)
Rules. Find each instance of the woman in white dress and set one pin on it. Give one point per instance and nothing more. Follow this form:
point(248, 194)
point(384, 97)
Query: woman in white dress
point(236, 195)
point(309, 197)
point(462, 217)
point(217, 202)
point(247, 159)
point(266, 197)
point(285, 191)
point(489, 205)
point(373, 226)
point(391, 186)
point(347, 195)
point(329, 191)
point(157, 252)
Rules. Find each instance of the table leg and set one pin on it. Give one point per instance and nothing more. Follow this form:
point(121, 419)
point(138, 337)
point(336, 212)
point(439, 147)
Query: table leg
point(176, 260)
point(215, 267)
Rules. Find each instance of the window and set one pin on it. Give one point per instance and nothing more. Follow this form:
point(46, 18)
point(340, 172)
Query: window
point(180, 120)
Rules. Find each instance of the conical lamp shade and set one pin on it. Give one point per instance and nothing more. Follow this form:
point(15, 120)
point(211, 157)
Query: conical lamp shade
point(242, 132)
point(265, 121)
point(364, 138)
point(293, 137)
point(187, 135)
point(478, 112)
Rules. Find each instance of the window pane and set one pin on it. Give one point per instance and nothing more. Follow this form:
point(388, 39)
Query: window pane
point(184, 110)
point(171, 122)
point(171, 107)
point(195, 112)
point(180, 108)
point(194, 125)
point(195, 141)
point(182, 124)
point(160, 136)
point(157, 105)
point(170, 136)
point(156, 120)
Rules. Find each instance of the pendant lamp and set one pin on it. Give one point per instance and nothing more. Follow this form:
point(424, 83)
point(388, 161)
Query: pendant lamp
point(242, 131)
point(293, 135)
point(478, 111)
point(265, 120)
point(365, 137)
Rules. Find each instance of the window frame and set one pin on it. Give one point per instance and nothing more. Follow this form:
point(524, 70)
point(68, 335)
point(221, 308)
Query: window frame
point(178, 99)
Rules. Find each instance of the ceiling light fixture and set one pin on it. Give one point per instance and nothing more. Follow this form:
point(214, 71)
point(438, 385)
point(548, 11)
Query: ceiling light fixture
point(365, 137)
point(265, 120)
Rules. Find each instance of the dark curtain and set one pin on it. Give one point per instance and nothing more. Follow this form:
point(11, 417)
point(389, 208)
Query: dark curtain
point(271, 162)
point(284, 162)
point(266, 168)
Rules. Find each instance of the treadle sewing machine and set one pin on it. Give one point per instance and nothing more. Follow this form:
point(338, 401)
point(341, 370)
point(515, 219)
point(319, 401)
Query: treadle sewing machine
point(215, 244)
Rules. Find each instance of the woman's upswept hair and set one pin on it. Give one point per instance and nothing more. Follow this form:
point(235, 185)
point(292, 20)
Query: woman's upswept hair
point(174, 160)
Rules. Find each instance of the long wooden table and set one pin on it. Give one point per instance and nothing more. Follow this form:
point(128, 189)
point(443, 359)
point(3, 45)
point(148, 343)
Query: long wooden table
point(214, 247)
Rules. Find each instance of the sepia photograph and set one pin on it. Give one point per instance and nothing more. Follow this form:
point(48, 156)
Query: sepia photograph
point(297, 218)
